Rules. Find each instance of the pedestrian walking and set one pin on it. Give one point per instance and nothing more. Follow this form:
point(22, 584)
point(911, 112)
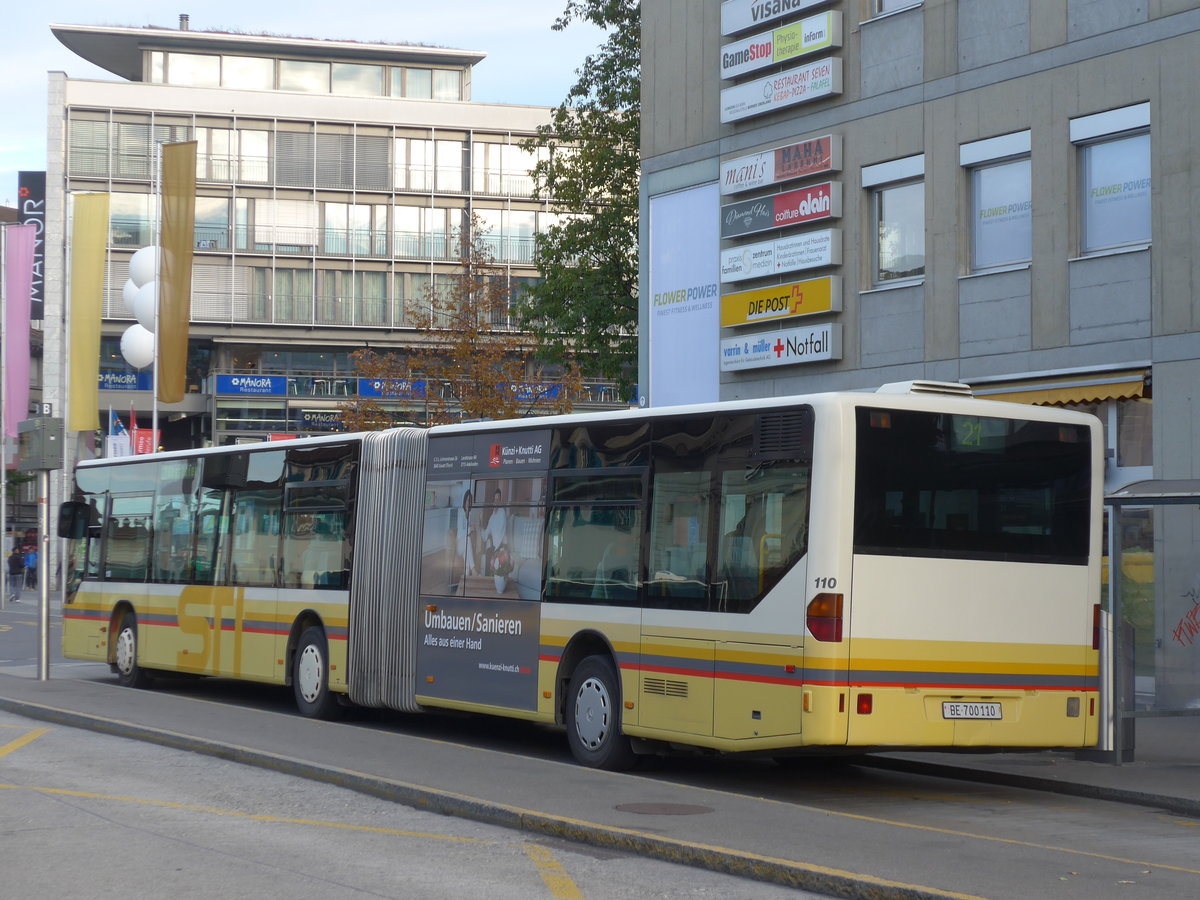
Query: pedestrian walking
point(31, 564)
point(16, 575)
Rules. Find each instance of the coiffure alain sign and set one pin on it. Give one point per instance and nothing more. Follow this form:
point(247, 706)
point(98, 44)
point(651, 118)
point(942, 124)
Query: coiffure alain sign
point(799, 207)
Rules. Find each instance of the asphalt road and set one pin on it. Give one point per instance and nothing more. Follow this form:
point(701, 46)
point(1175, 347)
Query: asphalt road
point(963, 839)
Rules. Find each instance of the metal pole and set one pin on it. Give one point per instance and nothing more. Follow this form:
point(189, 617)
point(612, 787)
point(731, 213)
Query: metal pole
point(3, 431)
point(42, 570)
point(157, 290)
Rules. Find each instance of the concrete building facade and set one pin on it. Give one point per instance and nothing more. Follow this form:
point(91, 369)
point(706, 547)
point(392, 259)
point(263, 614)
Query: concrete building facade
point(1073, 117)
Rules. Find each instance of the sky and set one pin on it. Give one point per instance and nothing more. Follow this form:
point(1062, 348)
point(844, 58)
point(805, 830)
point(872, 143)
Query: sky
point(527, 62)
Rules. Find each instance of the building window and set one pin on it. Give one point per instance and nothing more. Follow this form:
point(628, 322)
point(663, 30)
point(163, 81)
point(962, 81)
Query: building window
point(879, 7)
point(306, 77)
point(1116, 193)
point(193, 70)
point(450, 166)
point(1114, 168)
point(354, 80)
point(897, 194)
point(1002, 215)
point(413, 165)
point(248, 73)
point(447, 84)
point(899, 217)
point(418, 83)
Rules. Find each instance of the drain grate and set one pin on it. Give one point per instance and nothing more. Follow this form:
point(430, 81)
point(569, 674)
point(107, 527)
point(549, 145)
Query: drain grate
point(664, 809)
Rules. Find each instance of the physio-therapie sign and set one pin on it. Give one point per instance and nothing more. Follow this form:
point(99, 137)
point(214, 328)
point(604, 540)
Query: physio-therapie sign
point(782, 301)
point(814, 81)
point(788, 42)
point(818, 156)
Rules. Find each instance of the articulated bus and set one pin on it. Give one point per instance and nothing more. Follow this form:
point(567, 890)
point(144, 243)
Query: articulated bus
point(911, 567)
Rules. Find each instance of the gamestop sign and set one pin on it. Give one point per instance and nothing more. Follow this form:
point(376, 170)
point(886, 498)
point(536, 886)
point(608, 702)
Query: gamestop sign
point(788, 347)
point(820, 32)
point(803, 84)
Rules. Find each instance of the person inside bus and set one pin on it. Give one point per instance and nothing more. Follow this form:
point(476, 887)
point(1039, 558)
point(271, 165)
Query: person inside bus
point(616, 573)
point(495, 534)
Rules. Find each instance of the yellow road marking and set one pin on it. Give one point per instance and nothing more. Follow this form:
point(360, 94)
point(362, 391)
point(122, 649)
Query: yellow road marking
point(257, 817)
point(22, 741)
point(553, 874)
point(1016, 843)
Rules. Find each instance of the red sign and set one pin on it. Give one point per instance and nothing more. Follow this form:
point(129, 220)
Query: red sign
point(808, 204)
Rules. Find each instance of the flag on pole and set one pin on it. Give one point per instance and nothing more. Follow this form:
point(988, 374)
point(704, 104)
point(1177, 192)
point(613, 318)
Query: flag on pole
point(18, 287)
point(175, 276)
point(89, 237)
point(117, 441)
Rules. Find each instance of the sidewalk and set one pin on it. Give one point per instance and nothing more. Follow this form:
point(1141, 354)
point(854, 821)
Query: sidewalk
point(744, 835)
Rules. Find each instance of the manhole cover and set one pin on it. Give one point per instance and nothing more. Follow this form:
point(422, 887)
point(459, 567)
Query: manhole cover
point(664, 809)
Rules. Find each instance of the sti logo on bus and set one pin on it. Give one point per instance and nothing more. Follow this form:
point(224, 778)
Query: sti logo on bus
point(494, 456)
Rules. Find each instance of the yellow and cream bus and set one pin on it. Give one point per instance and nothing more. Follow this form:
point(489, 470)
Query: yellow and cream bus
point(911, 567)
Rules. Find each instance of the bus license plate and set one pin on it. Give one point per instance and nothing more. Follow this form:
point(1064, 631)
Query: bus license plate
point(959, 710)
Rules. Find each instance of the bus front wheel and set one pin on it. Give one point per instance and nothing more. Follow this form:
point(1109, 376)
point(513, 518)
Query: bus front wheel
point(310, 676)
point(125, 655)
point(593, 716)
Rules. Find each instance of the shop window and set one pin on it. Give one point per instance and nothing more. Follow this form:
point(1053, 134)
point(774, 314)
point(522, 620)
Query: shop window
point(1114, 167)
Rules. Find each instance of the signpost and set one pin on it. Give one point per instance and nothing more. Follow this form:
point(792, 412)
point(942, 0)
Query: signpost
point(41, 451)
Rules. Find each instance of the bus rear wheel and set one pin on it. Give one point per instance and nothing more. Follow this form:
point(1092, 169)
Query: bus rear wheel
point(593, 716)
point(310, 677)
point(125, 654)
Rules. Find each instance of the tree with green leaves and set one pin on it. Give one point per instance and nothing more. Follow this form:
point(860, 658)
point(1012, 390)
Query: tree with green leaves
point(587, 303)
point(468, 363)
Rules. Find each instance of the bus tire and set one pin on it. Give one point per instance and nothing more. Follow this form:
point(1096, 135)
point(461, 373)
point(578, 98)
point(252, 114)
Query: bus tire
point(310, 676)
point(593, 716)
point(125, 654)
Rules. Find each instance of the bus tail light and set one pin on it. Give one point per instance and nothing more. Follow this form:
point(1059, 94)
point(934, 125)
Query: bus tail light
point(824, 617)
point(1096, 627)
point(866, 702)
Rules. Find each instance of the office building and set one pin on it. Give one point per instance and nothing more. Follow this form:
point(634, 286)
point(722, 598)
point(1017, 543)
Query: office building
point(332, 178)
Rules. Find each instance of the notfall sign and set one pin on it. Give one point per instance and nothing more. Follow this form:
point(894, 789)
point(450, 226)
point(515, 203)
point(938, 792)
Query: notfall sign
point(782, 301)
point(787, 347)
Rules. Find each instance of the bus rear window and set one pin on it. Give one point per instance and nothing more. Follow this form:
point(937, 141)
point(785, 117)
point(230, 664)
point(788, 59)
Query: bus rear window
point(971, 487)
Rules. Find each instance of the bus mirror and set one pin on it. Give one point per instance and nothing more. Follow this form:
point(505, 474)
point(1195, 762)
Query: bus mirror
point(73, 520)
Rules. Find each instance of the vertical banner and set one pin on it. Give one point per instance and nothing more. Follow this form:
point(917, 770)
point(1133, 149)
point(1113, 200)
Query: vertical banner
point(89, 236)
point(175, 281)
point(685, 302)
point(18, 286)
point(31, 188)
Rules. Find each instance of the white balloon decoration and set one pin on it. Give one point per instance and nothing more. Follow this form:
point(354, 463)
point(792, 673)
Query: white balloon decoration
point(137, 346)
point(128, 293)
point(143, 266)
point(144, 304)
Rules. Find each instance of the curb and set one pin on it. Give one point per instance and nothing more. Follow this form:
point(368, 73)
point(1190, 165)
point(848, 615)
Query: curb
point(806, 876)
point(1179, 805)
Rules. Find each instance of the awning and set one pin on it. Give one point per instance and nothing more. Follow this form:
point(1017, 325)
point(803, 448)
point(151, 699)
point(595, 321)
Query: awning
point(1094, 387)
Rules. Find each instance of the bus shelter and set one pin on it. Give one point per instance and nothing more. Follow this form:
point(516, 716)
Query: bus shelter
point(1153, 582)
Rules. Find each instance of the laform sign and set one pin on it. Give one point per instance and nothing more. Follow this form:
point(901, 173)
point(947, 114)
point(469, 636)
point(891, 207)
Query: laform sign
point(820, 32)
